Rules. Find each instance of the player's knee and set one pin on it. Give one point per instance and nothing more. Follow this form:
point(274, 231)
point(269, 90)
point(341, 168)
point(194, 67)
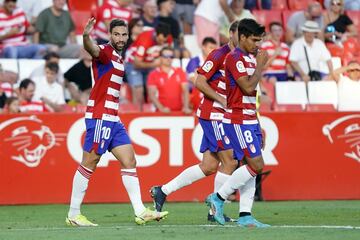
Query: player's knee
point(208, 169)
point(230, 166)
point(129, 163)
point(256, 164)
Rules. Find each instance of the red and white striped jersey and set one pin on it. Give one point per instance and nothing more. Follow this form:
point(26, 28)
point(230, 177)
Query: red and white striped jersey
point(32, 107)
point(16, 20)
point(278, 65)
point(108, 11)
point(108, 73)
point(213, 70)
point(241, 107)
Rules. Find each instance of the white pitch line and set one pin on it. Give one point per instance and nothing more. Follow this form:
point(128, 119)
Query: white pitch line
point(175, 226)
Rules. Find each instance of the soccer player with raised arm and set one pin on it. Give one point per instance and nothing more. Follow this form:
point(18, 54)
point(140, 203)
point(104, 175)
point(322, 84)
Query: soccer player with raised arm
point(104, 130)
point(215, 145)
point(242, 73)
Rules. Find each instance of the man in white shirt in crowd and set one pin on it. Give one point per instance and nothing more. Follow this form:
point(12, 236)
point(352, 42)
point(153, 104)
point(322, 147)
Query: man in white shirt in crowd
point(49, 90)
point(315, 49)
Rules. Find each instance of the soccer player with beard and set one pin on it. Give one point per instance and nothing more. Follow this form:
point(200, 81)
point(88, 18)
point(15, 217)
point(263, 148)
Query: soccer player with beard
point(104, 130)
point(242, 74)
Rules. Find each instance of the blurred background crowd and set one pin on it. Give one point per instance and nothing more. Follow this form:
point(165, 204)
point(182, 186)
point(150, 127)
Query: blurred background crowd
point(313, 48)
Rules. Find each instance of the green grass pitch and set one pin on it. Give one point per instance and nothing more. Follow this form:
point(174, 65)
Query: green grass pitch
point(290, 220)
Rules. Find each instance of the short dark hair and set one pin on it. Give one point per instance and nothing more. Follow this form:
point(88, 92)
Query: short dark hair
point(24, 84)
point(208, 40)
point(117, 23)
point(163, 28)
point(53, 67)
point(166, 49)
point(51, 55)
point(275, 24)
point(234, 25)
point(249, 27)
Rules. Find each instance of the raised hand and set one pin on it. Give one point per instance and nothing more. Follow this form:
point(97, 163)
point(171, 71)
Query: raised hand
point(262, 57)
point(89, 26)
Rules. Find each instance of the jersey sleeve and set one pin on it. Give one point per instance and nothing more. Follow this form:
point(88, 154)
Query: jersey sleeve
point(236, 66)
point(104, 56)
point(210, 66)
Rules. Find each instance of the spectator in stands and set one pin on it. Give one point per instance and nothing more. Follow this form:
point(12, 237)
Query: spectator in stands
point(40, 70)
point(353, 5)
point(26, 94)
point(314, 48)
point(339, 27)
point(348, 86)
point(7, 81)
point(237, 6)
point(78, 79)
point(48, 90)
point(207, 18)
point(168, 86)
point(12, 105)
point(184, 14)
point(252, 4)
point(298, 19)
point(13, 29)
point(148, 46)
point(278, 67)
point(54, 27)
point(166, 8)
point(109, 10)
point(150, 12)
point(208, 45)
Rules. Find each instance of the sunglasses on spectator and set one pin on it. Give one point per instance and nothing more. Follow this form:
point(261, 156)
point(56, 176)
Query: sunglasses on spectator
point(168, 56)
point(354, 70)
point(336, 3)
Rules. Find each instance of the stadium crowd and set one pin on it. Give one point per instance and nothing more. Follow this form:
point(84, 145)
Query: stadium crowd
point(306, 40)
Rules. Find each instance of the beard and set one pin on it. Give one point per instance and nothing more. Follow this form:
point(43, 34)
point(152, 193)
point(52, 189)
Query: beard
point(118, 45)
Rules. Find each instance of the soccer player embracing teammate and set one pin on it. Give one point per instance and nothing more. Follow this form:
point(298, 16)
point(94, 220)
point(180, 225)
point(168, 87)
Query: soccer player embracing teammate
point(243, 72)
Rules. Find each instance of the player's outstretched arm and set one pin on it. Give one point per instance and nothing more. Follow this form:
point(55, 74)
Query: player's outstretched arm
point(89, 45)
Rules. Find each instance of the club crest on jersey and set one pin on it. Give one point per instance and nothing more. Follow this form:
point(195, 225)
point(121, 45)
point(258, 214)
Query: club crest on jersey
point(344, 132)
point(227, 140)
point(208, 66)
point(252, 148)
point(240, 67)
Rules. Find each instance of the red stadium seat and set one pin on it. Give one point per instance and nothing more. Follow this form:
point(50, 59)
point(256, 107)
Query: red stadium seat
point(288, 108)
point(285, 16)
point(80, 19)
point(279, 5)
point(265, 17)
point(298, 4)
point(80, 5)
point(320, 108)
